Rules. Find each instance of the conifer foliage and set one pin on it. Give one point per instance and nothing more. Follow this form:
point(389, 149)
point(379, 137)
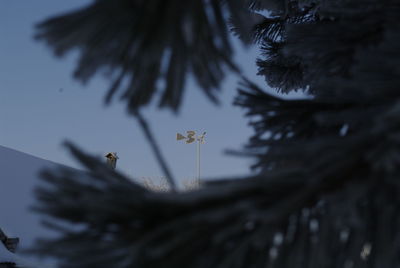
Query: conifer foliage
point(327, 190)
point(149, 46)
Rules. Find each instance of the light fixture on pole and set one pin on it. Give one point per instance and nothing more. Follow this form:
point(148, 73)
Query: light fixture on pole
point(190, 138)
point(112, 159)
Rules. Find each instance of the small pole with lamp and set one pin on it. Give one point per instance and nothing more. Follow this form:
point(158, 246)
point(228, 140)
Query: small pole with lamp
point(190, 138)
point(112, 159)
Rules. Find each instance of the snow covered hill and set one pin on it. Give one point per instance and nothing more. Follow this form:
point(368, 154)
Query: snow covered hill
point(18, 178)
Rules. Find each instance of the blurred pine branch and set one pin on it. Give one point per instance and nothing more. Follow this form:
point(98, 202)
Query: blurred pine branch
point(327, 191)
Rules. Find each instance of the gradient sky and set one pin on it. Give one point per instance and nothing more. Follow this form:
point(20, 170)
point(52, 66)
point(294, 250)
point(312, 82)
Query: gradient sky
point(41, 106)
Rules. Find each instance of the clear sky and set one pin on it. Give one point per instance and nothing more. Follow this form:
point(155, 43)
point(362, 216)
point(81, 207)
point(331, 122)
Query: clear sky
point(41, 106)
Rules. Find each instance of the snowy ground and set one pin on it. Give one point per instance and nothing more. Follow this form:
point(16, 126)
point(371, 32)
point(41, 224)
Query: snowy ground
point(19, 176)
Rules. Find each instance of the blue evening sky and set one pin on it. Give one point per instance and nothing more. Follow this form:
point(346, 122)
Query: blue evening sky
point(41, 106)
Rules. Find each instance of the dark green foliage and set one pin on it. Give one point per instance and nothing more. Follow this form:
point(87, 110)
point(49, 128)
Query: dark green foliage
point(10, 243)
point(121, 224)
point(353, 81)
point(7, 265)
point(327, 193)
point(149, 46)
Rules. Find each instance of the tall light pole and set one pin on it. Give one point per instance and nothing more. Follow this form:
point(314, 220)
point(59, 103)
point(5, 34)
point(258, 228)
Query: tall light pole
point(190, 138)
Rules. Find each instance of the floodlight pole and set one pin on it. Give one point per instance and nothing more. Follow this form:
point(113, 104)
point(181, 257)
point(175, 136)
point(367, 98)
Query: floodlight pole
point(198, 159)
point(192, 137)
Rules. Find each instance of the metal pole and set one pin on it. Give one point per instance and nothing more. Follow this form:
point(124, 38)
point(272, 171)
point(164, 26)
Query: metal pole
point(198, 159)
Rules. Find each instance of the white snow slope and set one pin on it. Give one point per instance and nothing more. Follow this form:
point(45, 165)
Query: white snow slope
point(19, 175)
